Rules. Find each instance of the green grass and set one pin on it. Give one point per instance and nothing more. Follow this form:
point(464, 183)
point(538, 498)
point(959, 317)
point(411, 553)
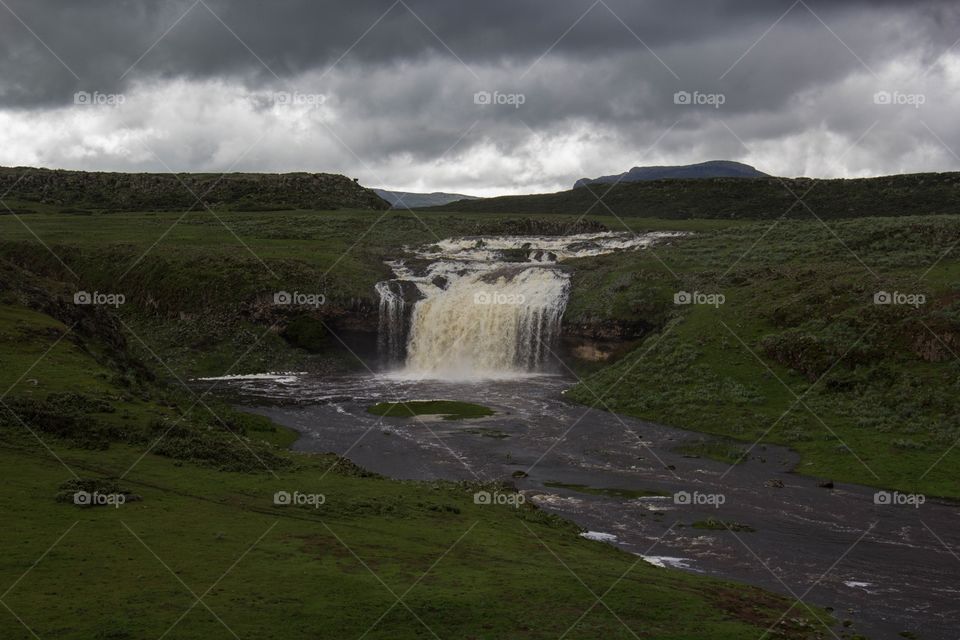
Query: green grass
point(315, 573)
point(186, 262)
point(39, 356)
point(449, 409)
point(608, 492)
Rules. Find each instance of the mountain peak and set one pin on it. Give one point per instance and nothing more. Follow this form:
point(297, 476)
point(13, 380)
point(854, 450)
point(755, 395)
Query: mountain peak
point(709, 169)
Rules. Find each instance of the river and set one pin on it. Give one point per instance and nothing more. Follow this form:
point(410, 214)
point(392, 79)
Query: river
point(885, 567)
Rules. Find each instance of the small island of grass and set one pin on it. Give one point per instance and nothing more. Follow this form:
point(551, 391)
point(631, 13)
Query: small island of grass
point(449, 409)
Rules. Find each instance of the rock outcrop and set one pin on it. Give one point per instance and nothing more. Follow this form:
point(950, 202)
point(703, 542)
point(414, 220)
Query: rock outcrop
point(166, 191)
point(710, 169)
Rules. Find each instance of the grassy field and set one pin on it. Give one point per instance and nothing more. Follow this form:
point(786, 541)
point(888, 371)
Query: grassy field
point(192, 261)
point(335, 571)
point(798, 353)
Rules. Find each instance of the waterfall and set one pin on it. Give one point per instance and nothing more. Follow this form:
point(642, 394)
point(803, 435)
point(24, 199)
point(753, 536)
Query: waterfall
point(482, 325)
point(391, 331)
point(484, 307)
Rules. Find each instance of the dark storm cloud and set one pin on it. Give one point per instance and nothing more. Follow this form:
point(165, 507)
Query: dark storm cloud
point(99, 40)
point(597, 80)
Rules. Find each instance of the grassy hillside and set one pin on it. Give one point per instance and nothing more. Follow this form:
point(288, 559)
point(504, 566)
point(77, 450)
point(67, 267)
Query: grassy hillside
point(742, 198)
point(463, 570)
point(85, 192)
point(878, 383)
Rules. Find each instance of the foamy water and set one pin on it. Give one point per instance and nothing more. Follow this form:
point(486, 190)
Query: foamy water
point(489, 307)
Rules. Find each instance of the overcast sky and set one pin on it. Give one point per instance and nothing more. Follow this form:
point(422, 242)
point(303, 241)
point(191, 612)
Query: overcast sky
point(491, 97)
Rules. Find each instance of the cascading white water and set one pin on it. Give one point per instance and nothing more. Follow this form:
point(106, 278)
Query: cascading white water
point(485, 324)
point(479, 312)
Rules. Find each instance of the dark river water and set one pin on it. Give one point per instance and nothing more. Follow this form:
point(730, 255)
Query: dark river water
point(888, 568)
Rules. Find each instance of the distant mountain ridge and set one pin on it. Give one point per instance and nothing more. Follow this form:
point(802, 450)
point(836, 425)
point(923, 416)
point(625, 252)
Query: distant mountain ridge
point(710, 169)
point(742, 198)
point(412, 200)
